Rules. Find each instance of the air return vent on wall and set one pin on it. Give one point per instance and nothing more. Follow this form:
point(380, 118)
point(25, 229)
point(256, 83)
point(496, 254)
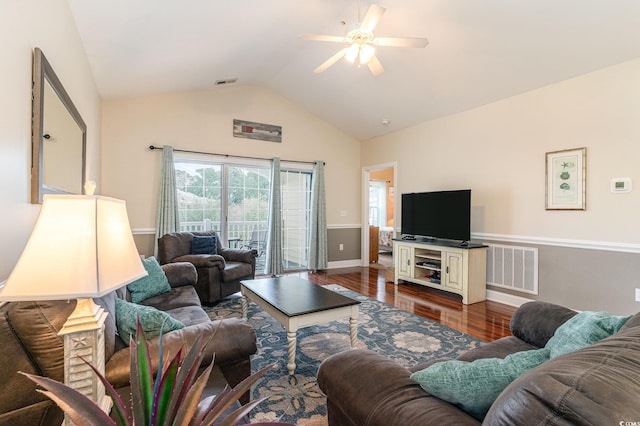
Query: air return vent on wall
point(513, 267)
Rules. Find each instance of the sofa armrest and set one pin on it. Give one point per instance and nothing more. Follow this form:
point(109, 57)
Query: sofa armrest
point(238, 255)
point(232, 340)
point(536, 322)
point(180, 273)
point(364, 387)
point(202, 260)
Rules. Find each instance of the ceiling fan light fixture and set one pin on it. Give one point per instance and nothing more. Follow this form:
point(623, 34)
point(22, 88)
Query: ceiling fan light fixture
point(361, 42)
point(352, 53)
point(366, 53)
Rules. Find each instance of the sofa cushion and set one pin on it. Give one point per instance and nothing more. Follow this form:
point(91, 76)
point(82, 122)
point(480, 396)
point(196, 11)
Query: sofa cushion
point(202, 260)
point(204, 244)
point(151, 319)
point(189, 315)
point(536, 322)
point(37, 324)
point(583, 330)
point(176, 298)
point(236, 270)
point(474, 386)
point(597, 385)
point(152, 285)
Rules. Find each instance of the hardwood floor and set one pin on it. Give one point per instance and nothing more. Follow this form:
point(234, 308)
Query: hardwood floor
point(485, 320)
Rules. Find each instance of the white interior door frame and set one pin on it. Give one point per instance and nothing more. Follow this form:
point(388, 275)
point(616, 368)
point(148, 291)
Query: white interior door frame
point(366, 172)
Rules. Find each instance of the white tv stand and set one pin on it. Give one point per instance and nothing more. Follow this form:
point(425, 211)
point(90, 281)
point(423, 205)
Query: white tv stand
point(444, 265)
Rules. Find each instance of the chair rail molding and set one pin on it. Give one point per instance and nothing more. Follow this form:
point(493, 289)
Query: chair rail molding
point(560, 242)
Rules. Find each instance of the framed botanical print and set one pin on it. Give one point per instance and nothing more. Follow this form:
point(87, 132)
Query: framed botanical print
point(566, 179)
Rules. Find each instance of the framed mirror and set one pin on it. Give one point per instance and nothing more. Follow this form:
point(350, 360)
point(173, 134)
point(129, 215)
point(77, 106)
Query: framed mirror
point(58, 136)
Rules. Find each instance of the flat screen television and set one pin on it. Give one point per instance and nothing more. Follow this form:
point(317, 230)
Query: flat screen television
point(438, 214)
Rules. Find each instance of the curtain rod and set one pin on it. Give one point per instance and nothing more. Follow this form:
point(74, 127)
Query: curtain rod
point(152, 148)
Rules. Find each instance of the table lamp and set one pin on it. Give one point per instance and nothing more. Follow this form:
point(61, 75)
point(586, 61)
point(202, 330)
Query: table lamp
point(81, 247)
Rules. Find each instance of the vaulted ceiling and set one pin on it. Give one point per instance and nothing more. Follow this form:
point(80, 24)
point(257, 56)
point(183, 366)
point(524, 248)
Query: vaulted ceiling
point(479, 51)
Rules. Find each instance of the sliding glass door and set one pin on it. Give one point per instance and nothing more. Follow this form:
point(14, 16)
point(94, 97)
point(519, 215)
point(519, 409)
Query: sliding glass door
point(233, 200)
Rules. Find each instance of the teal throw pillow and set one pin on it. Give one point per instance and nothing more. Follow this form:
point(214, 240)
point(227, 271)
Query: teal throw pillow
point(152, 285)
point(474, 386)
point(204, 244)
point(582, 330)
point(152, 320)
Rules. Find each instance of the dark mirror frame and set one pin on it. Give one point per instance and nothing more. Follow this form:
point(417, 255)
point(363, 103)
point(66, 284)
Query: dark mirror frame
point(42, 71)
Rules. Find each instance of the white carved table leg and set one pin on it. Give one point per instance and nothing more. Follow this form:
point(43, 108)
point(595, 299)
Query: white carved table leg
point(353, 325)
point(291, 351)
point(245, 306)
point(353, 331)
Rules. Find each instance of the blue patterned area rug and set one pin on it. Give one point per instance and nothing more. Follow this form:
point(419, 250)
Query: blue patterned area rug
point(401, 336)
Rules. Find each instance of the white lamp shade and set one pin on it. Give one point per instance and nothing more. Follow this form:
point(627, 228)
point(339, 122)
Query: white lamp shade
point(81, 246)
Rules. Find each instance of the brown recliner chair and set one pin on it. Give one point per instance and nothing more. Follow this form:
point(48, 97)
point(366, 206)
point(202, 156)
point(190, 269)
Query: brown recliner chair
point(219, 275)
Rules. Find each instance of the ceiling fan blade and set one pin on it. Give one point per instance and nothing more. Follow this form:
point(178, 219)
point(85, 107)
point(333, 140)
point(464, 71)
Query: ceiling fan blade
point(375, 66)
point(400, 41)
point(371, 18)
point(332, 60)
point(319, 37)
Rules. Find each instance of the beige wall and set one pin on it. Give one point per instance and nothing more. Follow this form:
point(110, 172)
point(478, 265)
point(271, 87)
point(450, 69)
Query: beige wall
point(498, 151)
point(25, 24)
point(202, 121)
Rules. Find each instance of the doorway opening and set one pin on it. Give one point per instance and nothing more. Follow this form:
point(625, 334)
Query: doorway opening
point(379, 211)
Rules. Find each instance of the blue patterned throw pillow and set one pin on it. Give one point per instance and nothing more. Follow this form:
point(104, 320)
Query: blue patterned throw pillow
point(204, 244)
point(474, 386)
point(582, 330)
point(152, 320)
point(152, 285)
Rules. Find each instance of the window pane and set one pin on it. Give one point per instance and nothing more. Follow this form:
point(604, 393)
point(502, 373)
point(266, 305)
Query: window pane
point(199, 189)
point(248, 206)
point(296, 200)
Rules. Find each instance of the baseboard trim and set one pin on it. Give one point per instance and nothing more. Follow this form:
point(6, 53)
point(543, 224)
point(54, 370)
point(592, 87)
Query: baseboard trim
point(506, 299)
point(561, 242)
point(344, 264)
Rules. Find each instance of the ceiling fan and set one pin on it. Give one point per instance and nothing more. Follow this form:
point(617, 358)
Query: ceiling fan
point(362, 42)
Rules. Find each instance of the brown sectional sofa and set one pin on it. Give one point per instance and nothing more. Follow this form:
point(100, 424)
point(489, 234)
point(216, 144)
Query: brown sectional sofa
point(596, 385)
point(29, 343)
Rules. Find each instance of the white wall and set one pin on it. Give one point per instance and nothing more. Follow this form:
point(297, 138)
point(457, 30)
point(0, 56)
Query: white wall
point(25, 24)
point(203, 121)
point(498, 151)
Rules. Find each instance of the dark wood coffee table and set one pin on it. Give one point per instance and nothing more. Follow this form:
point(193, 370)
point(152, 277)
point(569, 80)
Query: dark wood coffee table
point(298, 303)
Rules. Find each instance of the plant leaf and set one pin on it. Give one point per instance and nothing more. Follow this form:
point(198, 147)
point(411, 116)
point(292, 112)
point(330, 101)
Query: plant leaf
point(165, 386)
point(234, 417)
point(229, 399)
point(188, 373)
point(81, 410)
point(141, 379)
point(189, 404)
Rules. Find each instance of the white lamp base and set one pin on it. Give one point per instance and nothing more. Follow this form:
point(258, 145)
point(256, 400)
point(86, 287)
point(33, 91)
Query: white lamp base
point(84, 337)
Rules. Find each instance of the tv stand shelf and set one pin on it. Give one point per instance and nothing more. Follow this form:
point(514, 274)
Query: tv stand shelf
point(447, 266)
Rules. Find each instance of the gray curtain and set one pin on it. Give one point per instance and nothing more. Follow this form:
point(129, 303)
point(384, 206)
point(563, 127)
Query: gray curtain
point(167, 219)
point(273, 263)
point(318, 253)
